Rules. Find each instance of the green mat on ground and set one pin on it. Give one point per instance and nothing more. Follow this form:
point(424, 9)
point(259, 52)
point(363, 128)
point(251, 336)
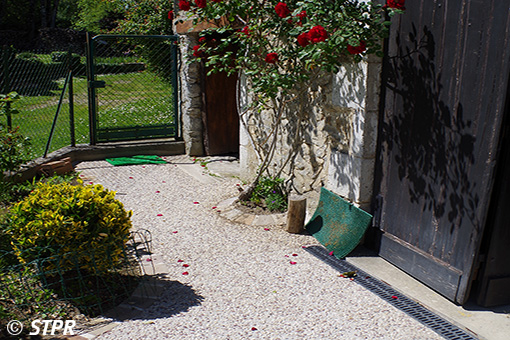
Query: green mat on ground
point(337, 224)
point(140, 159)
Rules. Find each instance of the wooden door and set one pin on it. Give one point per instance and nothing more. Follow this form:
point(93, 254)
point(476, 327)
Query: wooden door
point(445, 84)
point(494, 279)
point(221, 120)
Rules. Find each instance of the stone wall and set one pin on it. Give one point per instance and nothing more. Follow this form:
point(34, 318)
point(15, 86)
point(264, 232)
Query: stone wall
point(190, 97)
point(328, 140)
point(336, 143)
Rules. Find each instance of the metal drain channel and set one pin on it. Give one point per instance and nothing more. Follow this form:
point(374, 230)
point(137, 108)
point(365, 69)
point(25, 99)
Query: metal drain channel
point(400, 301)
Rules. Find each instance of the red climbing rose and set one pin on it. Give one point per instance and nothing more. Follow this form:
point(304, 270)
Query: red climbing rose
point(362, 47)
point(303, 39)
point(282, 10)
point(397, 4)
point(197, 52)
point(317, 34)
point(170, 15)
point(271, 58)
point(184, 5)
point(200, 3)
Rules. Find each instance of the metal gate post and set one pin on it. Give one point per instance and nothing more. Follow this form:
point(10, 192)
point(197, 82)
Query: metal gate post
point(91, 90)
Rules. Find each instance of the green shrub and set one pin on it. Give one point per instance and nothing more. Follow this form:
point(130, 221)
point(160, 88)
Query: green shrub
point(270, 191)
point(82, 226)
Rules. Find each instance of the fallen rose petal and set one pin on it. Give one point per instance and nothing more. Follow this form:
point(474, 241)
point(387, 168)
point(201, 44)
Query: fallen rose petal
point(267, 229)
point(196, 202)
point(157, 191)
point(294, 254)
point(292, 262)
point(163, 182)
point(214, 207)
point(253, 328)
point(180, 260)
point(218, 210)
point(159, 215)
point(185, 273)
point(174, 232)
point(394, 297)
point(286, 255)
point(185, 265)
point(331, 253)
point(304, 247)
point(130, 177)
point(148, 260)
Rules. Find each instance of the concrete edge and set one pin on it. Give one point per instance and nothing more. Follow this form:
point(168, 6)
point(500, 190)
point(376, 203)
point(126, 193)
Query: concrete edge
point(85, 152)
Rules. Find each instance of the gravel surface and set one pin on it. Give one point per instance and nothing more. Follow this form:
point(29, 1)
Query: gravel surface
point(242, 282)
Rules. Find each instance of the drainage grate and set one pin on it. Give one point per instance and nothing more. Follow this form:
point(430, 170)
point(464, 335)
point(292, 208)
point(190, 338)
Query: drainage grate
point(402, 302)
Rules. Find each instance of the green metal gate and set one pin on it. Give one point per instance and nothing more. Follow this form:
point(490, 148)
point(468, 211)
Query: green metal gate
point(132, 84)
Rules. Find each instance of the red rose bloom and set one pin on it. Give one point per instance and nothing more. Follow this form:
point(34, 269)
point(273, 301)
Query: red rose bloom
point(397, 4)
point(184, 5)
point(317, 34)
point(282, 10)
point(201, 40)
point(271, 58)
point(362, 47)
point(302, 17)
point(200, 3)
point(303, 39)
point(170, 15)
point(196, 51)
point(216, 0)
point(245, 31)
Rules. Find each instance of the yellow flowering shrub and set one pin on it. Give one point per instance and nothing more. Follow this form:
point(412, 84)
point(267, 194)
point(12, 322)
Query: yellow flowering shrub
point(79, 225)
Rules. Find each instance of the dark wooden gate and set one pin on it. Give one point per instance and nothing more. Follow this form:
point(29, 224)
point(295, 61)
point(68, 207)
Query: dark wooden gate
point(444, 91)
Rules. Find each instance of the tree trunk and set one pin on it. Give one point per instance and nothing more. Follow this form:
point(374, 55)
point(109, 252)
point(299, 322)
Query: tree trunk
point(54, 11)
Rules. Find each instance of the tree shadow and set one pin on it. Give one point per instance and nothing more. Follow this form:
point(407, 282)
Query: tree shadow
point(428, 137)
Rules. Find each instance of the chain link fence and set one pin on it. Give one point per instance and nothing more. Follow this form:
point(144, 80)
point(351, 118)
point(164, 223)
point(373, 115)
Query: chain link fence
point(42, 289)
point(134, 79)
point(136, 101)
point(39, 79)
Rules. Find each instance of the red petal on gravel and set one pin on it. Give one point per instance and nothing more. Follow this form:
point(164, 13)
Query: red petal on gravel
point(286, 255)
point(130, 177)
point(174, 232)
point(214, 207)
point(163, 182)
point(196, 202)
point(267, 229)
point(292, 262)
point(185, 273)
point(304, 247)
point(185, 265)
point(159, 215)
point(254, 328)
point(180, 260)
point(157, 191)
point(148, 260)
point(294, 254)
point(394, 297)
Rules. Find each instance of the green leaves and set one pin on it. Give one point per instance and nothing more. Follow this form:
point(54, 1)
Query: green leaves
point(256, 29)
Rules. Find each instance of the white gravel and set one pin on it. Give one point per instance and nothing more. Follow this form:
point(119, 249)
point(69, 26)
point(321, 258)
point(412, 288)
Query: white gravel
point(241, 283)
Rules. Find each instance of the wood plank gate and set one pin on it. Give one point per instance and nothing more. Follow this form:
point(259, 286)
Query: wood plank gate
point(445, 82)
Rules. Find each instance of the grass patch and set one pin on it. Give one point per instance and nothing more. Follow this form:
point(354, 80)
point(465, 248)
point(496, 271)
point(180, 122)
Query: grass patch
point(129, 99)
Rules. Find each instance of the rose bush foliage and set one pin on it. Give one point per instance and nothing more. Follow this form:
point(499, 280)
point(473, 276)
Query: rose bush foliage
point(282, 43)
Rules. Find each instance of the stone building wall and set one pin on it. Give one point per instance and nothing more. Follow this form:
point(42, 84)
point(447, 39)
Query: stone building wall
point(337, 144)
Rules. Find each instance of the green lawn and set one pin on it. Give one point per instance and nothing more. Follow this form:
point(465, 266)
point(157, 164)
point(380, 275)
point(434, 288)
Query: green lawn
point(129, 99)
